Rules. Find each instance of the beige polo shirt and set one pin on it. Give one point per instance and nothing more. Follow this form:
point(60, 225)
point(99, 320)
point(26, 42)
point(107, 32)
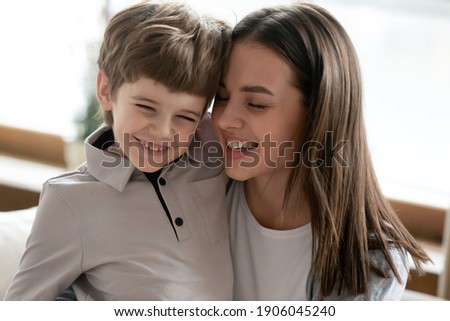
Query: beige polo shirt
point(103, 229)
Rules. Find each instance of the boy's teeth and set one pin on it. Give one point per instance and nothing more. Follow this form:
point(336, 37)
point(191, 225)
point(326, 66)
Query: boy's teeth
point(152, 147)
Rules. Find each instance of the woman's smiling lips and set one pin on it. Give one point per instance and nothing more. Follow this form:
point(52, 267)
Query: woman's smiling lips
point(237, 148)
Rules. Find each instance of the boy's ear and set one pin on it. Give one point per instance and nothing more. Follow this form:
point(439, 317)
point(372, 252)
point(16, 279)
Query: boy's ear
point(103, 91)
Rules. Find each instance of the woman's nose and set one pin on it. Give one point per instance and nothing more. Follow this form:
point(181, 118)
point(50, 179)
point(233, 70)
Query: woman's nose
point(228, 116)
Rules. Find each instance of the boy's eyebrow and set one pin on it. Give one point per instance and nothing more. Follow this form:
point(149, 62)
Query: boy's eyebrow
point(145, 99)
point(188, 111)
point(257, 89)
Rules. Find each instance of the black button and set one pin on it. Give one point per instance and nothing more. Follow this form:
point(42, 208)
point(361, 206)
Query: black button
point(162, 181)
point(179, 221)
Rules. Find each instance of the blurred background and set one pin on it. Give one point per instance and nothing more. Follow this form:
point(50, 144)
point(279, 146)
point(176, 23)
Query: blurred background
point(48, 66)
point(49, 49)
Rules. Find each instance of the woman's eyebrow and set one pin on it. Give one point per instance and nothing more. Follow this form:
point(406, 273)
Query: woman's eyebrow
point(257, 89)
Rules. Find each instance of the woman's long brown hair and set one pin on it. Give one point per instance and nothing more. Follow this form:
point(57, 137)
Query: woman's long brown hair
point(350, 217)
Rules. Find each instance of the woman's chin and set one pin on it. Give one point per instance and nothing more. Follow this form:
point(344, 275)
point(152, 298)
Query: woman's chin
point(238, 174)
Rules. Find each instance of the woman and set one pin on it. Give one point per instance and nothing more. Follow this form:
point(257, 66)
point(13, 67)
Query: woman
point(307, 217)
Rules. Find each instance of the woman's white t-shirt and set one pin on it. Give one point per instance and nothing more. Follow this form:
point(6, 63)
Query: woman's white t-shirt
point(268, 264)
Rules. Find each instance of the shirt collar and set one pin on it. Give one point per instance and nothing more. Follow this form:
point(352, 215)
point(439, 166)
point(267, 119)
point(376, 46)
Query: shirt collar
point(105, 165)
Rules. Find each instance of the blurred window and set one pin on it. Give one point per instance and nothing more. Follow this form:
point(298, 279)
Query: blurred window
point(49, 49)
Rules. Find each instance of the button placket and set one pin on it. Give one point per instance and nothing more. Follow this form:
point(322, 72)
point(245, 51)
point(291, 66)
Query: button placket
point(174, 209)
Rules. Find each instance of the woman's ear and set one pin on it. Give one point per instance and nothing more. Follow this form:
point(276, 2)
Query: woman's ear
point(103, 91)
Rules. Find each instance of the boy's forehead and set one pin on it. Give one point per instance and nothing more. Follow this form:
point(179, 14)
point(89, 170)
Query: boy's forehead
point(147, 80)
point(154, 92)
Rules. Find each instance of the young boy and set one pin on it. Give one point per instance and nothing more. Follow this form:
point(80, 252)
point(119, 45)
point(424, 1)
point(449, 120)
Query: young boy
point(143, 218)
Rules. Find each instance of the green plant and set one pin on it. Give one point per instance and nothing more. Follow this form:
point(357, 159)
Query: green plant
point(91, 119)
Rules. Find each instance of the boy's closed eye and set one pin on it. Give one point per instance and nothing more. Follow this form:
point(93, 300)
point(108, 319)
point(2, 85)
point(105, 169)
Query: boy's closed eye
point(145, 107)
point(188, 118)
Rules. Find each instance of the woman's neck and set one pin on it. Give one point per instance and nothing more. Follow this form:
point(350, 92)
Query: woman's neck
point(265, 198)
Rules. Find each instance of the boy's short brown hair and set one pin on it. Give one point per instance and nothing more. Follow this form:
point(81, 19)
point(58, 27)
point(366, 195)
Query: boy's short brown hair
point(168, 42)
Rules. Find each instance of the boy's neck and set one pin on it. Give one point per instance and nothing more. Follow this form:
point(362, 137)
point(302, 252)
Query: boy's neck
point(105, 140)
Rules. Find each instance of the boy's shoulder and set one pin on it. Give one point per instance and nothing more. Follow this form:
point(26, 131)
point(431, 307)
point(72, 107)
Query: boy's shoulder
point(205, 131)
point(75, 176)
point(72, 186)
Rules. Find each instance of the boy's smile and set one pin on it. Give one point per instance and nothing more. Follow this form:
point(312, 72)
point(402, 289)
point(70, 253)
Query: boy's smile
point(153, 125)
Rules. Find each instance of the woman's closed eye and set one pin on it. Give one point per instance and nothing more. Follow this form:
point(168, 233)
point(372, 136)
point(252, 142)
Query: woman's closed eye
point(257, 105)
point(219, 97)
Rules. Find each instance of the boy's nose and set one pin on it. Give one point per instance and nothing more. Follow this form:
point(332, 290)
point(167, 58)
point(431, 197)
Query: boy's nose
point(161, 130)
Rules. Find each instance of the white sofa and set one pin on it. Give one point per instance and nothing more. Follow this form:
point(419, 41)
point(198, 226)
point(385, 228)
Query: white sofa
point(15, 227)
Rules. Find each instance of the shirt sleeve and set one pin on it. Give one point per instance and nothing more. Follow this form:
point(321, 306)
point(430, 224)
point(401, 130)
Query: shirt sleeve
point(52, 259)
point(388, 289)
point(380, 289)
